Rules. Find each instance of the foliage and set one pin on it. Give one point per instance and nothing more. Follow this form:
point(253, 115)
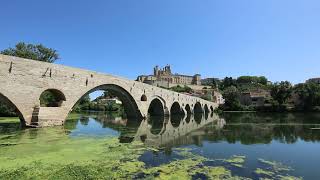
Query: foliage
point(85, 104)
point(32, 51)
point(180, 89)
point(252, 80)
point(232, 98)
point(48, 99)
point(309, 96)
point(281, 92)
point(228, 82)
point(6, 111)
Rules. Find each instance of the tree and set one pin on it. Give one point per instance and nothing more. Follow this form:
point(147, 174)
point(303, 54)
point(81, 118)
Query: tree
point(32, 51)
point(281, 92)
point(232, 98)
point(252, 80)
point(309, 95)
point(227, 82)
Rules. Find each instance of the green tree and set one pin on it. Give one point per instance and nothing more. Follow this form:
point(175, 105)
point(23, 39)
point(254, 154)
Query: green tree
point(232, 98)
point(281, 92)
point(227, 82)
point(32, 51)
point(309, 95)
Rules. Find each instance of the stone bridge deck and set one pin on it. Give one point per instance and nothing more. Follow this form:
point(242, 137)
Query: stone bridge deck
point(22, 82)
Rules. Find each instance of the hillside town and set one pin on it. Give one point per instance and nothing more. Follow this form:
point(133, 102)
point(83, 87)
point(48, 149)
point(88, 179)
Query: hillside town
point(245, 93)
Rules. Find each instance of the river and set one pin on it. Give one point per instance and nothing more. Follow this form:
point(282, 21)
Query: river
point(208, 146)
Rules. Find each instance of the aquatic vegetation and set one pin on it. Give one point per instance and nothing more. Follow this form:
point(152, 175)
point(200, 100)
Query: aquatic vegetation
point(275, 170)
point(219, 173)
point(263, 172)
point(236, 161)
point(52, 153)
point(288, 177)
point(275, 166)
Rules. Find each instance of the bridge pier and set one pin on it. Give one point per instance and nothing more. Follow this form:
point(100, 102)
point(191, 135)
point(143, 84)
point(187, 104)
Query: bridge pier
point(48, 116)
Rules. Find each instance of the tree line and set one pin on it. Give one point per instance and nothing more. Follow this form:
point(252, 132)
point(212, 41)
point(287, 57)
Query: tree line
point(283, 95)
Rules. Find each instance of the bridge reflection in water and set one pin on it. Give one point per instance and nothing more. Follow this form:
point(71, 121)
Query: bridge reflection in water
point(158, 131)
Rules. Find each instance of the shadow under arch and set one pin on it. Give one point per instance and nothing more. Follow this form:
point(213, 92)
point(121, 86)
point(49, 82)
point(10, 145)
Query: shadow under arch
point(51, 98)
point(176, 109)
point(156, 108)
point(197, 108)
point(130, 106)
point(7, 102)
point(157, 124)
point(188, 109)
point(211, 108)
point(206, 109)
point(198, 117)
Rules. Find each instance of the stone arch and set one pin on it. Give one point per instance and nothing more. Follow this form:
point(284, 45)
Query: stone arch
point(176, 109)
point(157, 124)
point(52, 98)
point(10, 104)
point(188, 109)
point(206, 109)
point(198, 117)
point(211, 108)
point(156, 108)
point(143, 98)
point(175, 120)
point(197, 108)
point(129, 103)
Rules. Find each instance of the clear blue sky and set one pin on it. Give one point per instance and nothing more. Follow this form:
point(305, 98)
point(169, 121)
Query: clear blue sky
point(216, 38)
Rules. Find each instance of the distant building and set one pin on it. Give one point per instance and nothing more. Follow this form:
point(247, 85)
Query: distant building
point(254, 98)
point(218, 98)
point(314, 80)
point(164, 77)
point(108, 100)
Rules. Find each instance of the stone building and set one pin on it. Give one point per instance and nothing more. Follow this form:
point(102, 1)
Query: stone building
point(165, 78)
point(255, 98)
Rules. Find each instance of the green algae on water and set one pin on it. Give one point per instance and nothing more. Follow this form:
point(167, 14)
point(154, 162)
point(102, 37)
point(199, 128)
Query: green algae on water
point(236, 161)
point(275, 166)
point(263, 172)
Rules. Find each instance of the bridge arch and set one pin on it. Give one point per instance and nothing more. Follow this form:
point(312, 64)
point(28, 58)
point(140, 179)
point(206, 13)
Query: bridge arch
point(156, 108)
point(130, 105)
point(206, 109)
point(197, 108)
point(176, 109)
point(10, 104)
point(157, 124)
point(188, 109)
point(52, 98)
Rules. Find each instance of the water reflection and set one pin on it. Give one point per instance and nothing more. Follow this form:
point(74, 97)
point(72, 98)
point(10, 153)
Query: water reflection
point(248, 128)
point(171, 134)
point(289, 138)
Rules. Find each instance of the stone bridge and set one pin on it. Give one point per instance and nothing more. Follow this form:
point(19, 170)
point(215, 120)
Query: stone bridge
point(23, 81)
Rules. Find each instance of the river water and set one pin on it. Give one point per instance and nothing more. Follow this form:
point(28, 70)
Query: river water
point(208, 146)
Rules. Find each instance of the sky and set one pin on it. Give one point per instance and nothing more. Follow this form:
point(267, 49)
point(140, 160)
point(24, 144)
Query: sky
point(279, 39)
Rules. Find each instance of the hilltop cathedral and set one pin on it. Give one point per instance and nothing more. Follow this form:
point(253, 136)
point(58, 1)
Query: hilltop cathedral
point(165, 78)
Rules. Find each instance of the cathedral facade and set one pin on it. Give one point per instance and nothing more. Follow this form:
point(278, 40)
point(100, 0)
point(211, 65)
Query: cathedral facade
point(164, 77)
